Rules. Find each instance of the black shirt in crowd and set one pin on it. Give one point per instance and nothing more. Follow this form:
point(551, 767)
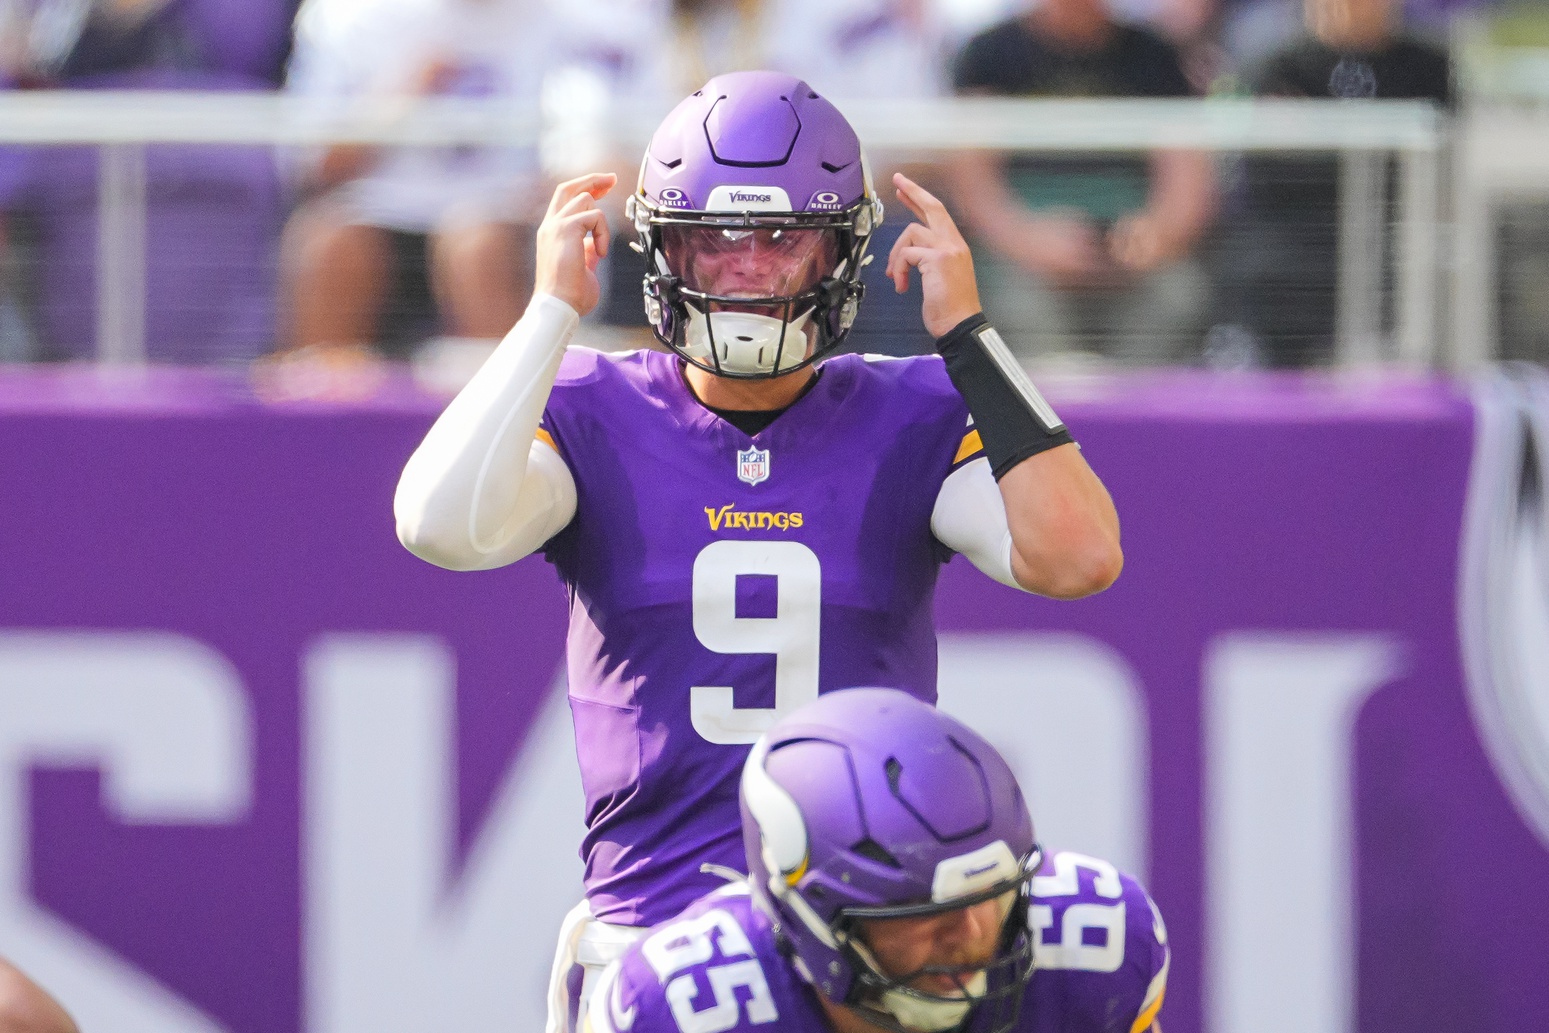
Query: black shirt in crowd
point(1287, 242)
point(1012, 59)
point(1408, 68)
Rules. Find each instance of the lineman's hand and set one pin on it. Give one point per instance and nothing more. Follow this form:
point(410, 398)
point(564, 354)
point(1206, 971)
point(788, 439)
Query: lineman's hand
point(572, 238)
point(936, 248)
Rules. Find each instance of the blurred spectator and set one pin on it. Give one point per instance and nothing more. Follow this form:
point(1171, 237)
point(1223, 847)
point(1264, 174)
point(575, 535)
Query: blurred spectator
point(1283, 269)
point(212, 213)
point(17, 340)
point(1251, 30)
point(397, 245)
point(70, 40)
point(849, 49)
point(1090, 253)
point(1180, 21)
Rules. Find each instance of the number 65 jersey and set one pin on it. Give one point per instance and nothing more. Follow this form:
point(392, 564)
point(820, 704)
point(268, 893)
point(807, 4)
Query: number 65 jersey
point(717, 580)
point(1099, 947)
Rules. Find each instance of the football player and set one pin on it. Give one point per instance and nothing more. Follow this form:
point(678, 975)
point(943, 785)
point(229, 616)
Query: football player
point(894, 882)
point(739, 527)
point(26, 1008)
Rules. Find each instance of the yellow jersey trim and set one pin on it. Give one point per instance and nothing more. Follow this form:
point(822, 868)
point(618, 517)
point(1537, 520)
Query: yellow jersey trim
point(547, 438)
point(970, 445)
point(1144, 1020)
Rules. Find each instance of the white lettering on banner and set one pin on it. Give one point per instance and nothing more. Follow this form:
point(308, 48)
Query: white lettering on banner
point(1067, 713)
point(1279, 716)
point(1502, 607)
point(393, 941)
point(165, 720)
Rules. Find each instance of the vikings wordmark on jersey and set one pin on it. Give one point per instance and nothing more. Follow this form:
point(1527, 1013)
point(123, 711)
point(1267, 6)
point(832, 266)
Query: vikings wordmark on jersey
point(1100, 951)
point(717, 580)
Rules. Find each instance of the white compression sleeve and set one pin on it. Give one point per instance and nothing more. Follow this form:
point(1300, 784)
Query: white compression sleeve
point(481, 491)
point(970, 518)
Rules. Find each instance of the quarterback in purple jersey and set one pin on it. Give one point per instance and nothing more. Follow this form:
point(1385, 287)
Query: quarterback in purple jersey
point(894, 883)
point(740, 528)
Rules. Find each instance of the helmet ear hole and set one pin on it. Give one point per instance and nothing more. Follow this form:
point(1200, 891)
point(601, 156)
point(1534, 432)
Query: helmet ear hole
point(871, 849)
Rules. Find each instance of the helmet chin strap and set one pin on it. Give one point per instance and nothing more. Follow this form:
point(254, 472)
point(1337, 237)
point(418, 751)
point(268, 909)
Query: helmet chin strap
point(745, 342)
point(933, 1015)
point(919, 1010)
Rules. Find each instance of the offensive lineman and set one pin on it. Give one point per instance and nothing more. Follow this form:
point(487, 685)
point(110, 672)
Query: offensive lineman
point(895, 883)
point(739, 528)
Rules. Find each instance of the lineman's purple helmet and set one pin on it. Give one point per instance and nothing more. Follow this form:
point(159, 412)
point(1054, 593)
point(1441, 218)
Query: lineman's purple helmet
point(754, 210)
point(870, 804)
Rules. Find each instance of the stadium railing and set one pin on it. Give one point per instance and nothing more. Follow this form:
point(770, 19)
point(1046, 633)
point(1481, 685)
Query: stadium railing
point(1363, 136)
point(1501, 174)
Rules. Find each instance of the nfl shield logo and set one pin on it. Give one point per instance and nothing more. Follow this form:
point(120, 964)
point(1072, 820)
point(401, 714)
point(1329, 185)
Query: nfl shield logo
point(753, 465)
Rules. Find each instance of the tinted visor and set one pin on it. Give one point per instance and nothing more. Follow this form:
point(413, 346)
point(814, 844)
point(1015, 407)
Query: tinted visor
point(750, 262)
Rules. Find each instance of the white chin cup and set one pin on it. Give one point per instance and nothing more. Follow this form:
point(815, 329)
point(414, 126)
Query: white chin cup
point(745, 342)
point(933, 1016)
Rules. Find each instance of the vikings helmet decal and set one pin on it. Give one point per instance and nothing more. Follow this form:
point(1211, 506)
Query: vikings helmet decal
point(754, 209)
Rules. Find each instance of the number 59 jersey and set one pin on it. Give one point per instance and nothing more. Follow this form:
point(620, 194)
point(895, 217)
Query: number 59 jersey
point(1100, 965)
point(718, 580)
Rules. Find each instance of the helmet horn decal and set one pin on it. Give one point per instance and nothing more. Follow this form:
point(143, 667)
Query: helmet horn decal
point(777, 814)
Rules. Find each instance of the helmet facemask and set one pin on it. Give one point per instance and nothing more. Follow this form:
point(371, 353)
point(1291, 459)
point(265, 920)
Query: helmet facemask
point(993, 991)
point(753, 295)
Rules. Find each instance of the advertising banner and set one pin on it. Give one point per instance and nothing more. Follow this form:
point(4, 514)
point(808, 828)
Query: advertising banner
point(263, 771)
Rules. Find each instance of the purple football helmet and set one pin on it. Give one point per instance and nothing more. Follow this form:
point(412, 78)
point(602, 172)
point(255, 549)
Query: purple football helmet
point(754, 210)
point(870, 804)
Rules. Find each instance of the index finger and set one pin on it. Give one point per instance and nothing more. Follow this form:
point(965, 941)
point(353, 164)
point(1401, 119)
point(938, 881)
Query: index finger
point(922, 202)
point(595, 183)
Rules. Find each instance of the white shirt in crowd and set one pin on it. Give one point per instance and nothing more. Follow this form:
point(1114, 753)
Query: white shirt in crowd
point(351, 54)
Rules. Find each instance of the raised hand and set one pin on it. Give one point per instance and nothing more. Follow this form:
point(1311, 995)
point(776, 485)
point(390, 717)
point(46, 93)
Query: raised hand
point(936, 248)
point(572, 238)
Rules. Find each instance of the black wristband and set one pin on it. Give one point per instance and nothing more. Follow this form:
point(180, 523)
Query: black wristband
point(1013, 420)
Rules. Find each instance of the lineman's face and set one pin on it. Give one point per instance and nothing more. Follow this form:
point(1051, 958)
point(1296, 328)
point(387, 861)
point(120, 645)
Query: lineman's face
point(750, 263)
point(939, 953)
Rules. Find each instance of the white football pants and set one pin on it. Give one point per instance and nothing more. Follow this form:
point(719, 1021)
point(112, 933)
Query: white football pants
point(586, 947)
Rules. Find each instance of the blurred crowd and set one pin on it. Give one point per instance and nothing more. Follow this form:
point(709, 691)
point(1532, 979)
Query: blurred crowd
point(349, 256)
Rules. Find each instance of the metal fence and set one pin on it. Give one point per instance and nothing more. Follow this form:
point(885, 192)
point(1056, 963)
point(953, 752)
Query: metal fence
point(1390, 296)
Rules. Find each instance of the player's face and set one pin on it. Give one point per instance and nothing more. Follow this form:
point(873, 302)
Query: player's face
point(750, 263)
point(939, 954)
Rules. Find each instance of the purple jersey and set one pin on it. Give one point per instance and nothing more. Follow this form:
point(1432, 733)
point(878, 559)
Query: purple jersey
point(1100, 964)
point(717, 579)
